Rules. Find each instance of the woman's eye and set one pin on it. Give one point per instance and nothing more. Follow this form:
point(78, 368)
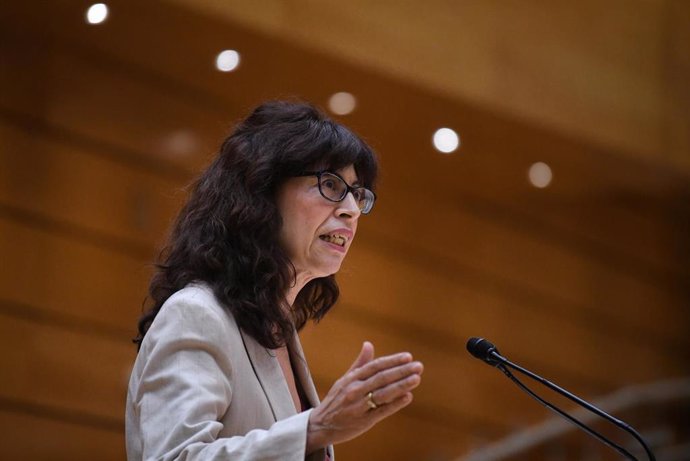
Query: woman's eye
point(358, 194)
point(328, 184)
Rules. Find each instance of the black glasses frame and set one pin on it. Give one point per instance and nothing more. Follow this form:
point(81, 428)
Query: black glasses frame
point(348, 188)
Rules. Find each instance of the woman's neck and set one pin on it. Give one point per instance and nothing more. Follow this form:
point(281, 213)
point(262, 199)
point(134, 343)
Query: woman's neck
point(301, 279)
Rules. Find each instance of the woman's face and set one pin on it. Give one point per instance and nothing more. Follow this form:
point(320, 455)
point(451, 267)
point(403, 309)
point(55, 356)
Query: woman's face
point(316, 232)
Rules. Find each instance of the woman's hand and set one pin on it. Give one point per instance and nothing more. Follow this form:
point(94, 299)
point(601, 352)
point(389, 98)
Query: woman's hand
point(349, 409)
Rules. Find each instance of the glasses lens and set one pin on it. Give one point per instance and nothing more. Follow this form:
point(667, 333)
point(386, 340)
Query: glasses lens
point(332, 187)
point(363, 197)
point(367, 201)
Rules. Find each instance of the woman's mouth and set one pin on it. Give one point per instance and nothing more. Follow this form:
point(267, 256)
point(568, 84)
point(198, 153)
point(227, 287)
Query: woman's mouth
point(336, 239)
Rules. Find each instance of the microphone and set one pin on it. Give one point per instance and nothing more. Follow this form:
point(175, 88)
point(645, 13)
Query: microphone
point(482, 349)
point(486, 351)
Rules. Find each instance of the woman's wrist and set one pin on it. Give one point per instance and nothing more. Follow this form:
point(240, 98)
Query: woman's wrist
point(317, 434)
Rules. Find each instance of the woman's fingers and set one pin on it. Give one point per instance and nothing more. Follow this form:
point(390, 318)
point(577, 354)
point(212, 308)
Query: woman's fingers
point(348, 409)
point(365, 356)
point(374, 366)
point(391, 375)
point(385, 395)
point(388, 384)
point(388, 378)
point(396, 405)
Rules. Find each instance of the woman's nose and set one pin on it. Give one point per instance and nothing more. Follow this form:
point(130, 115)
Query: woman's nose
point(348, 207)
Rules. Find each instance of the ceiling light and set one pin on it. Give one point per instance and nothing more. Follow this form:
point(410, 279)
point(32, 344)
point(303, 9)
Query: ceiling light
point(540, 175)
point(227, 60)
point(97, 13)
point(342, 103)
point(446, 140)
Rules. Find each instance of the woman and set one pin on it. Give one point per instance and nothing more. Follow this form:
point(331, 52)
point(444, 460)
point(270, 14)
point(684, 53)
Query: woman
point(220, 373)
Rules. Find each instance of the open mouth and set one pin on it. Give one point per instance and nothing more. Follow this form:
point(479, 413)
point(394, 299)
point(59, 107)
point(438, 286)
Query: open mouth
point(335, 239)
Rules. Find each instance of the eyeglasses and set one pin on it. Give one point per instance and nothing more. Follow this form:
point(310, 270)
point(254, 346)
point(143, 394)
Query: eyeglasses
point(334, 188)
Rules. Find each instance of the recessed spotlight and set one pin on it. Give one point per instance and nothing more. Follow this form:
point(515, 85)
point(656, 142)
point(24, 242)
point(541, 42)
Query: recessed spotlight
point(540, 175)
point(227, 60)
point(342, 103)
point(180, 143)
point(446, 140)
point(97, 13)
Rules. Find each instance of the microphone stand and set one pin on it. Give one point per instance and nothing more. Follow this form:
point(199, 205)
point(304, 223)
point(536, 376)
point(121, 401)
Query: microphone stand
point(501, 364)
point(565, 415)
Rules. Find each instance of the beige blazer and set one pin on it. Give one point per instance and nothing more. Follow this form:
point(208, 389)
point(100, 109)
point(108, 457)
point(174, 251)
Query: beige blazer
point(201, 389)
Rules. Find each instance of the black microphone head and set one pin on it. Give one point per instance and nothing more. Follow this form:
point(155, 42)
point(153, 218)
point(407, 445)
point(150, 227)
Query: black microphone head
point(482, 349)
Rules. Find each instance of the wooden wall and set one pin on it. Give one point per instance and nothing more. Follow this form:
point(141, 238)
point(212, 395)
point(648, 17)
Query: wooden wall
point(101, 128)
point(610, 71)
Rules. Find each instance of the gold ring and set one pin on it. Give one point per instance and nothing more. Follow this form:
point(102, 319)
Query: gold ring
point(370, 401)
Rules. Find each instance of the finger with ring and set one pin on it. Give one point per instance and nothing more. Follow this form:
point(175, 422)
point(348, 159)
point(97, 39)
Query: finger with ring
point(370, 401)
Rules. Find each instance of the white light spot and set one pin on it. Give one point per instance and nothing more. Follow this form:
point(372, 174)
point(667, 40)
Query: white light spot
point(446, 140)
point(342, 103)
point(227, 60)
point(97, 13)
point(540, 175)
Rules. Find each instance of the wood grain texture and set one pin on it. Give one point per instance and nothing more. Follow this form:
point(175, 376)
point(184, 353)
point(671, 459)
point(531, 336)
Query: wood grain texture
point(29, 434)
point(103, 127)
point(71, 184)
point(606, 71)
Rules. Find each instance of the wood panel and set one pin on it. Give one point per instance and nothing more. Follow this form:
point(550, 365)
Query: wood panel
point(440, 441)
point(80, 187)
point(437, 302)
point(608, 70)
point(81, 280)
point(524, 264)
point(489, 176)
point(139, 119)
point(26, 437)
point(76, 371)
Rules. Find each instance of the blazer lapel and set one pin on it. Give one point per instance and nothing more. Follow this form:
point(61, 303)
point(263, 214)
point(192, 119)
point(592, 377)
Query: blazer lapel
point(270, 376)
point(299, 364)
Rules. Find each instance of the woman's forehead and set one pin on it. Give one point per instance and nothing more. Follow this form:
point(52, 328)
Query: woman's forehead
point(362, 169)
point(348, 173)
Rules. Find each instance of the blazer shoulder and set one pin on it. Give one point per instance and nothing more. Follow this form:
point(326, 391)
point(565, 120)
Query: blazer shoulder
point(195, 299)
point(193, 310)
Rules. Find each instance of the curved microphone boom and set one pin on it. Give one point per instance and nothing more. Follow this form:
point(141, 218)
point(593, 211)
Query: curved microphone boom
point(486, 351)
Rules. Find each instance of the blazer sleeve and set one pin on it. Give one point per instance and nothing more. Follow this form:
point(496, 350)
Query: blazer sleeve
point(184, 387)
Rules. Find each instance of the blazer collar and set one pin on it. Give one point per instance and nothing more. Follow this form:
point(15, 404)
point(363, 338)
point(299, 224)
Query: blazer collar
point(272, 380)
point(270, 376)
point(299, 364)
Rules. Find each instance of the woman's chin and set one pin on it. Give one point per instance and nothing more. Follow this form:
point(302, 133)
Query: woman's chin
point(328, 268)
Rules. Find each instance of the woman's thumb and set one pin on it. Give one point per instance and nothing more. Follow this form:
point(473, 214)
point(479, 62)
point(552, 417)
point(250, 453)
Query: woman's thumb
point(365, 356)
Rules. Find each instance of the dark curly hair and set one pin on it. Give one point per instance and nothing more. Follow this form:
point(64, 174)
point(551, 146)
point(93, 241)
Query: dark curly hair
point(226, 235)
